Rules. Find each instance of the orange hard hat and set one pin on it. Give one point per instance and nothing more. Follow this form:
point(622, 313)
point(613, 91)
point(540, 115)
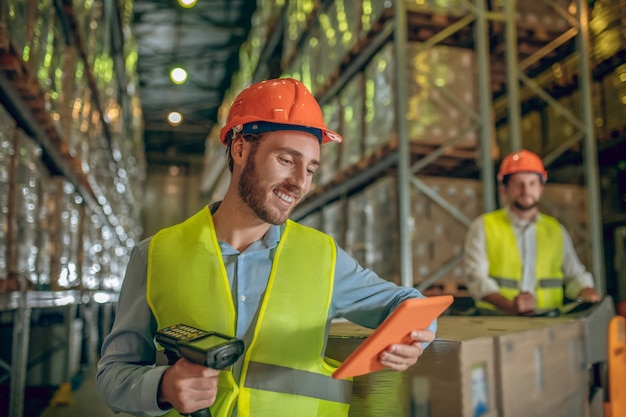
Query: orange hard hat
point(278, 104)
point(522, 161)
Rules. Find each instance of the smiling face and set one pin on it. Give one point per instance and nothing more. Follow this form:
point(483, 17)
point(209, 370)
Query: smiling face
point(523, 191)
point(277, 173)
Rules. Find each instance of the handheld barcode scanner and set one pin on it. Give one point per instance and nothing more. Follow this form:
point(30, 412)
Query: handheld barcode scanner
point(211, 349)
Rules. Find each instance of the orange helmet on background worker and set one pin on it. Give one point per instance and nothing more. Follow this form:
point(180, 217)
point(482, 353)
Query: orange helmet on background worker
point(278, 104)
point(522, 161)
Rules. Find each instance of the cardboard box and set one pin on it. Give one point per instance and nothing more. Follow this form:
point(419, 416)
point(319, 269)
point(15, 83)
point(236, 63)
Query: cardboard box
point(454, 377)
point(540, 370)
point(594, 323)
point(478, 366)
point(540, 362)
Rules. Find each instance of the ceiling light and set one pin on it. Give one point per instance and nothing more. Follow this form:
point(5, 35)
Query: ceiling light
point(178, 75)
point(174, 170)
point(174, 118)
point(188, 4)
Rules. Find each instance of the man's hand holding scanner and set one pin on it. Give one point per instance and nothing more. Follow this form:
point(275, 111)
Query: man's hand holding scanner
point(400, 356)
point(188, 387)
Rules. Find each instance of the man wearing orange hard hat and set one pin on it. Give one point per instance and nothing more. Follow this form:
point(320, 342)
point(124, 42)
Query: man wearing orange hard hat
point(242, 268)
point(518, 260)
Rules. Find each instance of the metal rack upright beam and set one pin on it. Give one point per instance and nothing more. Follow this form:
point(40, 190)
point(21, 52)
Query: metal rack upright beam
point(481, 42)
point(404, 152)
point(590, 149)
point(19, 355)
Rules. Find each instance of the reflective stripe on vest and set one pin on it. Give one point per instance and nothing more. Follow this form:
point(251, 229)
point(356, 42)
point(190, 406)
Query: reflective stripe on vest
point(505, 263)
point(187, 283)
point(544, 283)
point(276, 378)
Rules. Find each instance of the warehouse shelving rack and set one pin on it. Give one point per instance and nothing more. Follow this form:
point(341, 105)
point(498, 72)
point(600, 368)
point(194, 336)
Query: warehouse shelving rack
point(72, 304)
point(486, 31)
point(24, 100)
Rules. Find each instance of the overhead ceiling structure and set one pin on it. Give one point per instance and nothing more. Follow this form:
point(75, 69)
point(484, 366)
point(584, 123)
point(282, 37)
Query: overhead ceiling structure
point(204, 40)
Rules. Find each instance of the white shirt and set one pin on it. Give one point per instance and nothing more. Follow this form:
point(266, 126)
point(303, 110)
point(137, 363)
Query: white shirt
point(476, 261)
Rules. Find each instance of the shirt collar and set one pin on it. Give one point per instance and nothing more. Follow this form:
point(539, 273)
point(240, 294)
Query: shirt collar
point(516, 221)
point(272, 236)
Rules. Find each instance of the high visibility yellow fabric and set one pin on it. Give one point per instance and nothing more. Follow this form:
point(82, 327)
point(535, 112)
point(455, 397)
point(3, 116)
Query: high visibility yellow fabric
point(306, 268)
point(505, 262)
point(296, 303)
point(187, 283)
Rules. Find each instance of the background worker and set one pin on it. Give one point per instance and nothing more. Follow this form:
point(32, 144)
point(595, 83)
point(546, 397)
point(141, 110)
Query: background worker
point(518, 260)
point(240, 267)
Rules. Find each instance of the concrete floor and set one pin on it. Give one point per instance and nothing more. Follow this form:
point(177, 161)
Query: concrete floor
point(83, 401)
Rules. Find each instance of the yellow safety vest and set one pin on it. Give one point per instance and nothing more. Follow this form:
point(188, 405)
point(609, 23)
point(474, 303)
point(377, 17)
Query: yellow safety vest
point(505, 262)
point(284, 372)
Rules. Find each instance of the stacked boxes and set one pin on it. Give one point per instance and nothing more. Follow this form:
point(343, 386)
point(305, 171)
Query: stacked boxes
point(381, 230)
point(80, 126)
point(268, 10)
point(297, 14)
point(372, 11)
point(351, 104)
point(532, 134)
point(28, 191)
point(559, 127)
point(437, 236)
point(535, 15)
point(117, 258)
point(330, 54)
point(92, 249)
point(330, 152)
point(441, 91)
point(341, 20)
point(380, 100)
point(56, 54)
point(607, 29)
point(333, 220)
point(614, 94)
point(365, 225)
point(23, 24)
point(492, 366)
point(547, 366)
point(441, 85)
point(7, 133)
point(568, 203)
point(539, 366)
point(460, 374)
point(63, 219)
point(358, 219)
point(313, 220)
point(334, 32)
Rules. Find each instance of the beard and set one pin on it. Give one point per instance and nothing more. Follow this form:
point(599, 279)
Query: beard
point(254, 193)
point(525, 207)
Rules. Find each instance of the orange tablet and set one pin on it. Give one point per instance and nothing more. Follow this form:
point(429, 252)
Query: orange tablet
point(412, 314)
